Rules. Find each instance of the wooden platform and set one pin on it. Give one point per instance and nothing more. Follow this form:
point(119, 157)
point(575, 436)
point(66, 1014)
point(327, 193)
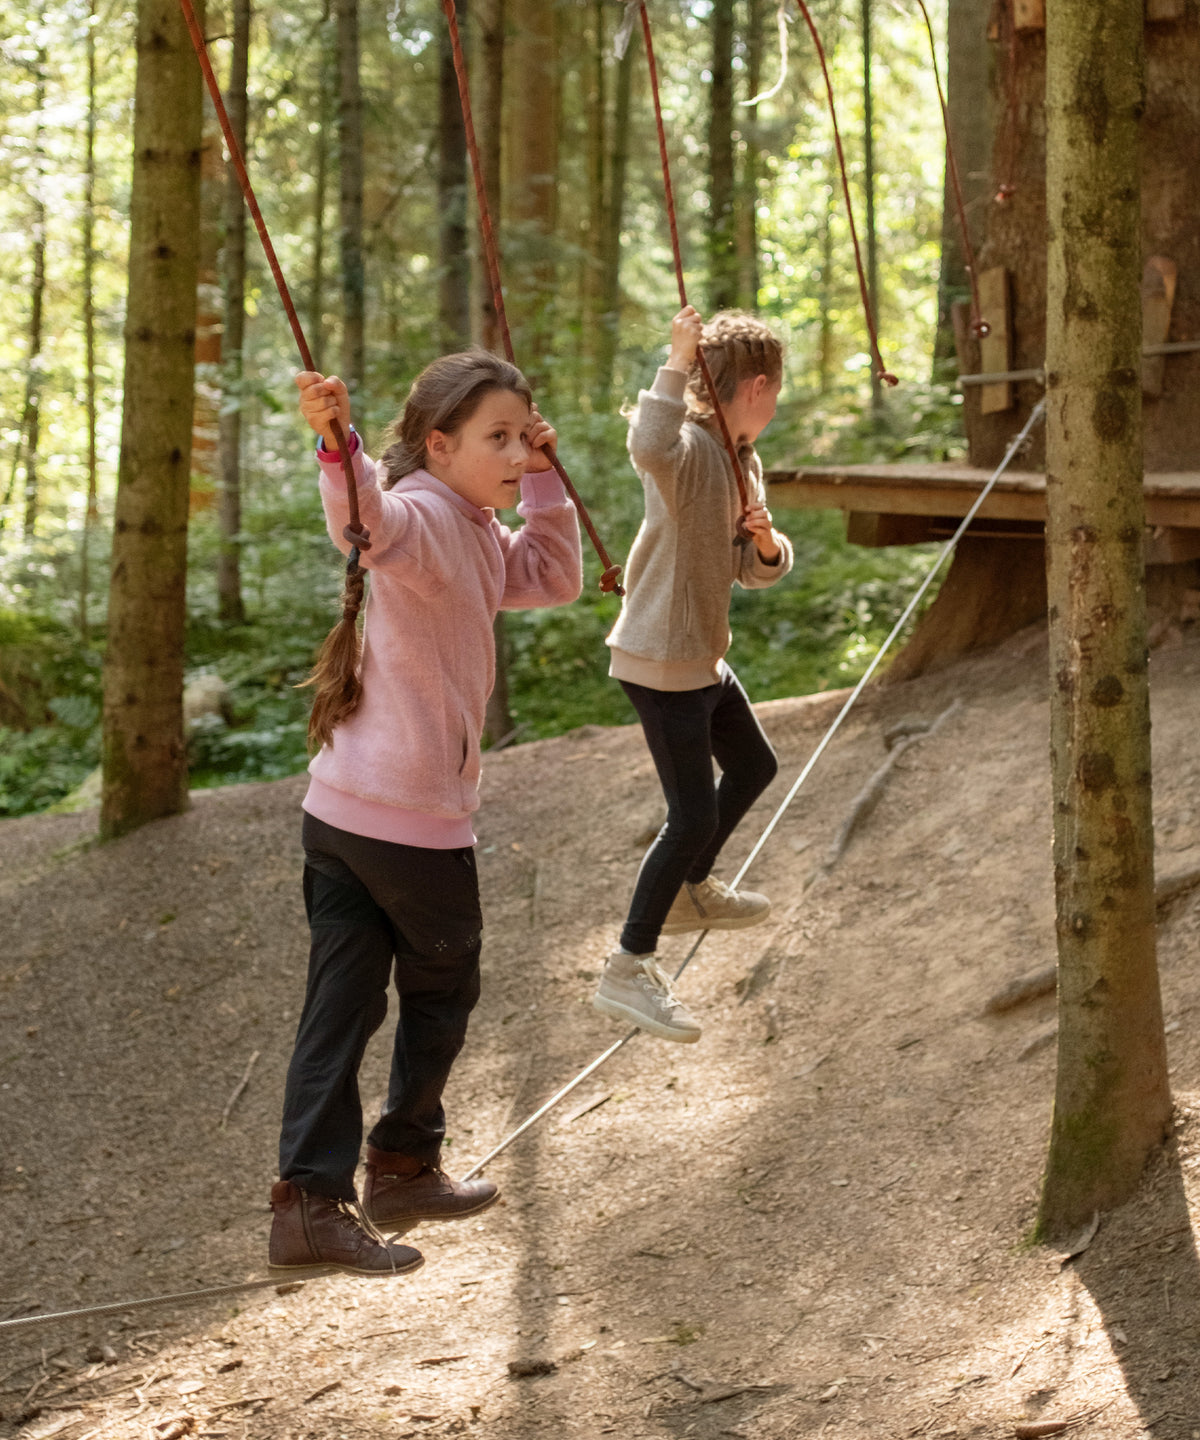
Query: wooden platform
point(948, 491)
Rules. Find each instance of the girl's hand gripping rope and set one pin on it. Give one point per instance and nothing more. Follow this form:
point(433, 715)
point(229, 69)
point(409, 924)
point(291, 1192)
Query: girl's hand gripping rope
point(758, 524)
point(325, 404)
point(686, 329)
point(541, 439)
point(324, 399)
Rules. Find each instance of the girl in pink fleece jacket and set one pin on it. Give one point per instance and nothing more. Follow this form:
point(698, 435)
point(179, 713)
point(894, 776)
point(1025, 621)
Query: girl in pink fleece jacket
point(389, 877)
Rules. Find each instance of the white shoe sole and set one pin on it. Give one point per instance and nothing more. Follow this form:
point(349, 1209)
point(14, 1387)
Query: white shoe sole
point(616, 1011)
point(739, 922)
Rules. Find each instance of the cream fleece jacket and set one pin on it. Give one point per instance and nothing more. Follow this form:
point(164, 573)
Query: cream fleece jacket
point(440, 569)
point(673, 629)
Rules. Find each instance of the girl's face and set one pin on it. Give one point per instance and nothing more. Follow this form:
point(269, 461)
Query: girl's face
point(484, 459)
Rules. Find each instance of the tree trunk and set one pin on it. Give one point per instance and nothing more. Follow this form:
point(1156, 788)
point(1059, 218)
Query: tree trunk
point(592, 219)
point(454, 263)
point(210, 319)
point(1112, 1099)
point(145, 763)
point(825, 288)
point(31, 417)
point(230, 607)
point(869, 191)
point(722, 242)
point(350, 161)
point(531, 183)
point(609, 330)
point(489, 128)
point(88, 285)
point(316, 283)
point(970, 125)
point(747, 211)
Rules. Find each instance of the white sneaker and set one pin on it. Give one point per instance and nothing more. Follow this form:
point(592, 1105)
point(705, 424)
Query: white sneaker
point(712, 905)
point(635, 988)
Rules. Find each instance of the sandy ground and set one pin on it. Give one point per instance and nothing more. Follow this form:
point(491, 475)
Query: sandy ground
point(813, 1223)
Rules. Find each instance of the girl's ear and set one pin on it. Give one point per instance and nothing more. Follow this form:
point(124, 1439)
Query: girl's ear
point(438, 445)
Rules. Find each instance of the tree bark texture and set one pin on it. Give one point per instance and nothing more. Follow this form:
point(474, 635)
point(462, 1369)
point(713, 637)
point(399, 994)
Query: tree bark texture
point(609, 333)
point(1170, 149)
point(532, 108)
point(350, 167)
point(316, 280)
point(1112, 1100)
point(869, 195)
point(145, 763)
point(31, 416)
point(210, 318)
point(454, 257)
point(968, 65)
point(91, 514)
point(746, 216)
point(230, 607)
point(722, 238)
point(489, 130)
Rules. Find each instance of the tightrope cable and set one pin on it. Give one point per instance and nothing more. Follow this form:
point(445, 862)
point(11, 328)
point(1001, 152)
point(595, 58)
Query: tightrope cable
point(212, 1291)
point(116, 1307)
point(1013, 449)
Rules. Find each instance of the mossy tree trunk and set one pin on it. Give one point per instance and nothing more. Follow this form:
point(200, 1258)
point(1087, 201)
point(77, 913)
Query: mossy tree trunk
point(1112, 1099)
point(145, 764)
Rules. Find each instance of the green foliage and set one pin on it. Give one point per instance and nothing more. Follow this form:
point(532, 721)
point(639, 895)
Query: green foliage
point(819, 627)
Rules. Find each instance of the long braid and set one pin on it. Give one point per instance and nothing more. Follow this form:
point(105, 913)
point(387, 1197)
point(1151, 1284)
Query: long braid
point(443, 397)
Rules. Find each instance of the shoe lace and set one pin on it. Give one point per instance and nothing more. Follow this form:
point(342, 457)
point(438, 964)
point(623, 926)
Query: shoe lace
point(658, 977)
point(352, 1211)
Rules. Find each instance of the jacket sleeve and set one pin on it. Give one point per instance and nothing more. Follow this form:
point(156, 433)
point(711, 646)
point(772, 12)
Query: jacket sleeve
point(753, 571)
point(401, 535)
point(542, 560)
point(657, 445)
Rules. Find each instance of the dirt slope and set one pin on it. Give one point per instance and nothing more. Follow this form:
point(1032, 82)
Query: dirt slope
point(811, 1223)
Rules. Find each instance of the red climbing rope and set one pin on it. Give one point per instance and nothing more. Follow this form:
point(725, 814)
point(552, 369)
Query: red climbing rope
point(880, 369)
point(979, 326)
point(359, 538)
point(609, 579)
point(730, 448)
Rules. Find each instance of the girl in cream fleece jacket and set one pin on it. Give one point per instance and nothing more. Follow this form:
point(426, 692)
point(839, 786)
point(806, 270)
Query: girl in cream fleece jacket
point(389, 878)
point(669, 643)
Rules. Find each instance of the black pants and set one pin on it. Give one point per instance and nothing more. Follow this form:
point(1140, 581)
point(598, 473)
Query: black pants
point(686, 731)
point(370, 903)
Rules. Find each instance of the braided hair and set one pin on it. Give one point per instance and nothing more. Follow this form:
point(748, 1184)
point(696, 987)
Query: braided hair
point(443, 397)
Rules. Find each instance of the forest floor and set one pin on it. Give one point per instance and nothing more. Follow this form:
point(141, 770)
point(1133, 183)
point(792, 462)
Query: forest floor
point(813, 1223)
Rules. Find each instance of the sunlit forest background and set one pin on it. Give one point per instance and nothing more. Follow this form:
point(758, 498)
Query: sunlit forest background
point(65, 163)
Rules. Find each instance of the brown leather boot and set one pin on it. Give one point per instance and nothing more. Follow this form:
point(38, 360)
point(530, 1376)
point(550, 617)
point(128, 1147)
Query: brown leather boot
point(314, 1234)
point(401, 1192)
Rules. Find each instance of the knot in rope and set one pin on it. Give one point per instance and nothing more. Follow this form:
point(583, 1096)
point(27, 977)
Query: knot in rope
point(358, 536)
point(608, 581)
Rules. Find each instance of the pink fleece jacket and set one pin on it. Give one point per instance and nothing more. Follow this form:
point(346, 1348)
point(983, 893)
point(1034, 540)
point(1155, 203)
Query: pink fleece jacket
point(405, 766)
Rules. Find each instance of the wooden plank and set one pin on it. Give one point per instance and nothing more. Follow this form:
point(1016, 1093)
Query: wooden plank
point(1029, 14)
point(995, 348)
point(1172, 498)
point(1158, 296)
point(877, 531)
point(1165, 9)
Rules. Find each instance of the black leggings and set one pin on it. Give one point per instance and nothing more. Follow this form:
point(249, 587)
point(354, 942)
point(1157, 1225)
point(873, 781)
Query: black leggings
point(686, 731)
point(369, 903)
